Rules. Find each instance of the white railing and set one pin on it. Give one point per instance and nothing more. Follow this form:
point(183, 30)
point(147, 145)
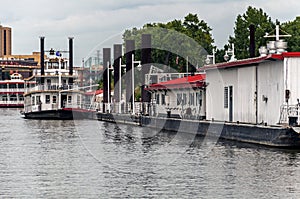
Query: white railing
point(11, 90)
point(287, 111)
point(11, 102)
point(51, 87)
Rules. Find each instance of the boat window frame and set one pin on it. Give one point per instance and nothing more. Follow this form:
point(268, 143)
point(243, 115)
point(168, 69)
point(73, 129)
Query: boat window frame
point(47, 99)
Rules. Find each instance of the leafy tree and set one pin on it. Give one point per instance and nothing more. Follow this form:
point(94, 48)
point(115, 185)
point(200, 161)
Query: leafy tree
point(263, 24)
point(292, 28)
point(170, 47)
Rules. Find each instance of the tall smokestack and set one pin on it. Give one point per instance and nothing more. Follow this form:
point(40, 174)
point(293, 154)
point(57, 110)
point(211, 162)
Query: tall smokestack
point(117, 57)
point(42, 49)
point(252, 41)
point(130, 47)
point(71, 59)
point(106, 84)
point(146, 61)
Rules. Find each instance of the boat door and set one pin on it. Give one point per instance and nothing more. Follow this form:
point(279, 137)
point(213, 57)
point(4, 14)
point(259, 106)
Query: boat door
point(63, 100)
point(230, 103)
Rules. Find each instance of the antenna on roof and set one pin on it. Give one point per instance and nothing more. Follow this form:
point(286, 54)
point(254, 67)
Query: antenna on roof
point(277, 34)
point(278, 46)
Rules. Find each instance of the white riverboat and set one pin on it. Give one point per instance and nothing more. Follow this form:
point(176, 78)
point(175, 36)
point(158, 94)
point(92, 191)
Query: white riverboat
point(11, 91)
point(55, 95)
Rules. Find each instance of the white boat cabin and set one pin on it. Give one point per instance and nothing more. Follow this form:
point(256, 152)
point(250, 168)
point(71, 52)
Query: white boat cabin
point(179, 98)
point(257, 90)
point(54, 89)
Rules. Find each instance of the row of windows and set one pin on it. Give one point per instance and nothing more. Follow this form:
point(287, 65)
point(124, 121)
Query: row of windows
point(182, 99)
point(11, 98)
point(37, 99)
point(55, 65)
point(11, 86)
point(190, 99)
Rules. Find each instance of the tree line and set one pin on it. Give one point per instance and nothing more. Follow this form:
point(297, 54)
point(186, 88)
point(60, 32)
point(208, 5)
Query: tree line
point(180, 53)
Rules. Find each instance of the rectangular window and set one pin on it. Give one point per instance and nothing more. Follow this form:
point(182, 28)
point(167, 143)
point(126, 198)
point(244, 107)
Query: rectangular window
point(54, 99)
point(38, 99)
point(157, 98)
point(184, 99)
point(163, 99)
point(198, 99)
point(191, 99)
point(78, 100)
point(69, 99)
point(32, 100)
point(179, 98)
point(47, 99)
point(226, 97)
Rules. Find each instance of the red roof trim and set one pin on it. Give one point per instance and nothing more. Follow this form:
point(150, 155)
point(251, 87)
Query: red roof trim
point(291, 54)
point(195, 81)
point(97, 92)
point(244, 62)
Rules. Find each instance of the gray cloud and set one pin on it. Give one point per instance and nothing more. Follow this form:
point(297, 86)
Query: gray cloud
point(93, 21)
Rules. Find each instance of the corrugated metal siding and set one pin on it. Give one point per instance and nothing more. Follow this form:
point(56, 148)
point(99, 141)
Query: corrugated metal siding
point(270, 86)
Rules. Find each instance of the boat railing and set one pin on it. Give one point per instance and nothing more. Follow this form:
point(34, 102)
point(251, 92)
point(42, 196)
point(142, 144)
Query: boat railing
point(12, 102)
point(121, 108)
point(288, 111)
point(78, 105)
point(51, 87)
point(11, 90)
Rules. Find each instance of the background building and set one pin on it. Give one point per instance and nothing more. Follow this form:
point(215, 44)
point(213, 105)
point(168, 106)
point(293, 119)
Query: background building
point(5, 41)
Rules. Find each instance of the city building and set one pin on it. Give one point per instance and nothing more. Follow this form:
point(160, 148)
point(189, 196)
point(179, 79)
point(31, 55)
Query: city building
point(5, 41)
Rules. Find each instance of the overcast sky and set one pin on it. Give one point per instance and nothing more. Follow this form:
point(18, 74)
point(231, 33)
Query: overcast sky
point(95, 24)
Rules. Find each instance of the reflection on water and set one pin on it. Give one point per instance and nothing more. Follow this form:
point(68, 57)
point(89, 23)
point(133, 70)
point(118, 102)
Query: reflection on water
point(91, 159)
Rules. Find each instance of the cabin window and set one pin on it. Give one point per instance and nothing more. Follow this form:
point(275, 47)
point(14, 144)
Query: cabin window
point(69, 99)
point(226, 97)
point(192, 99)
point(62, 65)
point(13, 98)
point(12, 86)
point(3, 86)
point(184, 99)
point(38, 99)
point(179, 98)
point(32, 100)
point(54, 99)
point(163, 99)
point(199, 99)
point(55, 65)
point(157, 98)
point(20, 85)
point(78, 100)
point(21, 97)
point(47, 99)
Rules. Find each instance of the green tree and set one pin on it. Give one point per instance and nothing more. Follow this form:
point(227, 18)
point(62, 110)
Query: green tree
point(292, 28)
point(179, 48)
point(263, 24)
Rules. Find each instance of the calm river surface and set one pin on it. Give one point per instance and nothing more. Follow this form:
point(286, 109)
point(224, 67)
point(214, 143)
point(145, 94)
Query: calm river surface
point(91, 159)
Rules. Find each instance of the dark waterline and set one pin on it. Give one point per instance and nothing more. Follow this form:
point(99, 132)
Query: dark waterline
point(91, 159)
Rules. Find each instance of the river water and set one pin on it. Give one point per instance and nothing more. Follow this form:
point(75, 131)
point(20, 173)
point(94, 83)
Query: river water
point(92, 159)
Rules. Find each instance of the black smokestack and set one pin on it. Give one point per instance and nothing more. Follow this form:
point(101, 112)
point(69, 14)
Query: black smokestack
point(252, 41)
point(130, 46)
point(42, 48)
point(117, 57)
point(106, 84)
point(71, 59)
point(146, 61)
